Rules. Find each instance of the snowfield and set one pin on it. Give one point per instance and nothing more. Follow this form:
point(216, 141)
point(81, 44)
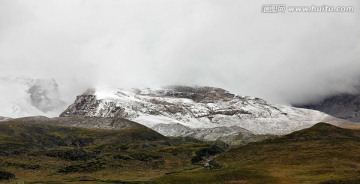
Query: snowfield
point(183, 110)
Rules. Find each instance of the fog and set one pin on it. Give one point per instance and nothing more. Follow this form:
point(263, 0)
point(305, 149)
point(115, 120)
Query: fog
point(281, 57)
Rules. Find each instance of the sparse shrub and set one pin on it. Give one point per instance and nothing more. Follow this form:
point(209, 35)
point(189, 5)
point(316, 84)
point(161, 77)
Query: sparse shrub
point(23, 165)
point(144, 157)
point(122, 157)
point(342, 181)
point(86, 167)
point(4, 175)
point(73, 155)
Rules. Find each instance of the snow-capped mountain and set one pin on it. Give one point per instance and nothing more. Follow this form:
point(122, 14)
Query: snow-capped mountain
point(25, 96)
point(203, 112)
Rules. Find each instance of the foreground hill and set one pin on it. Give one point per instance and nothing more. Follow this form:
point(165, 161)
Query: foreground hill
point(61, 150)
point(195, 112)
point(321, 154)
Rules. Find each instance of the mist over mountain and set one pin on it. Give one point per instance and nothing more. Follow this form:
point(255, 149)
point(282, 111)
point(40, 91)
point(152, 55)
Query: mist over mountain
point(284, 58)
point(169, 91)
point(26, 96)
point(344, 106)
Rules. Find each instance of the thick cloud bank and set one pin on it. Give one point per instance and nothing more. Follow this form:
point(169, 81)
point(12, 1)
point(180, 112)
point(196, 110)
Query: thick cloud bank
point(282, 57)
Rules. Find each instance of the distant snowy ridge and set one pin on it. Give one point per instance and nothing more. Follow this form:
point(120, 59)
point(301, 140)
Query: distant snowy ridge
point(25, 96)
point(4, 118)
point(184, 110)
point(344, 106)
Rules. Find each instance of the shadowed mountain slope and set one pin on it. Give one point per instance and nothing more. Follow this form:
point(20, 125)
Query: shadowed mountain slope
point(344, 106)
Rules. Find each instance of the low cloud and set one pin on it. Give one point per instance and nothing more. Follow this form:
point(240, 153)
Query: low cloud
point(285, 58)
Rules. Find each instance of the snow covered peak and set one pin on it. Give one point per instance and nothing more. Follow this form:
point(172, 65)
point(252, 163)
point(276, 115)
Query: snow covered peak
point(195, 108)
point(190, 93)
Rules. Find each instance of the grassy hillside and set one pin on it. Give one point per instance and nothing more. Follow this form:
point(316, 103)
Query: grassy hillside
point(43, 152)
point(354, 127)
point(46, 151)
point(320, 154)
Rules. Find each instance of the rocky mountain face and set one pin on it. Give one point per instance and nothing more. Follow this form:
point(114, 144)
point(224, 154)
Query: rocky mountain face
point(226, 134)
point(107, 123)
point(26, 96)
point(345, 106)
point(201, 112)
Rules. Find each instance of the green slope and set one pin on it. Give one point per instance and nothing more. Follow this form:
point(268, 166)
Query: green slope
point(61, 150)
point(43, 150)
point(320, 154)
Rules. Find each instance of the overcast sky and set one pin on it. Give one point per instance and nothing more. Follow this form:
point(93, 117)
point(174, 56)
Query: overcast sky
point(284, 57)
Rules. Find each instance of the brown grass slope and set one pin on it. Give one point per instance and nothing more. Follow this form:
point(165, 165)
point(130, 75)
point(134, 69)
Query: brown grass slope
point(44, 150)
point(321, 154)
point(61, 150)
